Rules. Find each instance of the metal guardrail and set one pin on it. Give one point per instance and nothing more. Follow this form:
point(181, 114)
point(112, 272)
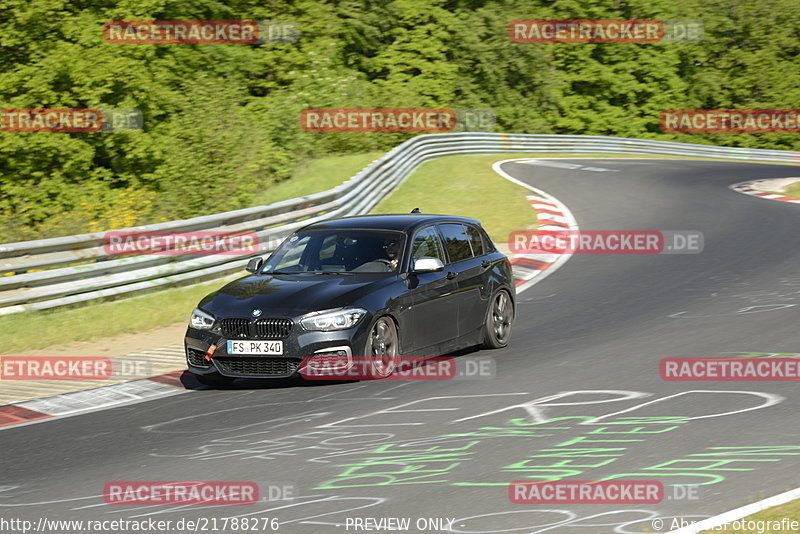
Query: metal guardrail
point(99, 275)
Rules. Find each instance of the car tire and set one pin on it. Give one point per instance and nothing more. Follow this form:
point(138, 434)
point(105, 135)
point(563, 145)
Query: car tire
point(214, 379)
point(382, 348)
point(499, 320)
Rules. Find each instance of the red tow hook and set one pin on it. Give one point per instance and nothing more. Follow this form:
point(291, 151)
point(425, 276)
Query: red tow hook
point(210, 352)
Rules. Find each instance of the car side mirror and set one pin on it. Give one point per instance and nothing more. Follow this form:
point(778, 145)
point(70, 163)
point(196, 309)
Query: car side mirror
point(428, 265)
point(254, 265)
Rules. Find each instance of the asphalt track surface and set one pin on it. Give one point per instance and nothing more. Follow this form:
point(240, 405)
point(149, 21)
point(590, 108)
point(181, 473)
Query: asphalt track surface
point(584, 356)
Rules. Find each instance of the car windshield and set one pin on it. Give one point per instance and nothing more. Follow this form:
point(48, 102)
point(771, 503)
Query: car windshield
point(338, 251)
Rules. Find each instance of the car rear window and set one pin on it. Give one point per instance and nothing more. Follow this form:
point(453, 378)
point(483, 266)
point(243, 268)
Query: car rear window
point(457, 241)
point(475, 241)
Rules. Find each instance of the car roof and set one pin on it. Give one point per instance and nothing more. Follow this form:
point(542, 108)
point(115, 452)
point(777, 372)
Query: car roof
point(402, 222)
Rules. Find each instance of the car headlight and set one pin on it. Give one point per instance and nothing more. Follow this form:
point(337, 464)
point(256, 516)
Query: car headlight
point(201, 320)
point(333, 320)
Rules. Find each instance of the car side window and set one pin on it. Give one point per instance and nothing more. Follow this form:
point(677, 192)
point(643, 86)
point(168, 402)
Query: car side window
point(427, 245)
point(488, 245)
point(457, 241)
point(476, 241)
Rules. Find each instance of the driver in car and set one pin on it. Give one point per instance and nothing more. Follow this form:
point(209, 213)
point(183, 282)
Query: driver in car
point(392, 247)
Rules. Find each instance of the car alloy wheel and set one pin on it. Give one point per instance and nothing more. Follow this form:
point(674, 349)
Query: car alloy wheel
point(382, 347)
point(498, 321)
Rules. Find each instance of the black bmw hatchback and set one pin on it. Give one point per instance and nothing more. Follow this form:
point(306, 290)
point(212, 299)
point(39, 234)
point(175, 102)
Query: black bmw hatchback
point(376, 287)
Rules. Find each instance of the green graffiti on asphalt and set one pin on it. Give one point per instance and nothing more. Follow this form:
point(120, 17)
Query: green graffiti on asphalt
point(397, 464)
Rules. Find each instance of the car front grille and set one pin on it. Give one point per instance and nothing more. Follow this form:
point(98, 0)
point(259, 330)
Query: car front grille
point(240, 328)
point(273, 328)
point(257, 366)
point(235, 328)
point(197, 358)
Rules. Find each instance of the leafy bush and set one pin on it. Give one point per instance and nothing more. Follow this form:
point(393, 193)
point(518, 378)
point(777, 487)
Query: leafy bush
point(221, 122)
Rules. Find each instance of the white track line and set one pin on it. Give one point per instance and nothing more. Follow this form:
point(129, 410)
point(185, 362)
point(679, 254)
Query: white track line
point(711, 522)
point(746, 188)
point(706, 524)
point(738, 513)
point(569, 219)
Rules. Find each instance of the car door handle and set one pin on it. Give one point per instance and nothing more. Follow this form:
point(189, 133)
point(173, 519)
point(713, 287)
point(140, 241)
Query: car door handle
point(485, 264)
point(451, 275)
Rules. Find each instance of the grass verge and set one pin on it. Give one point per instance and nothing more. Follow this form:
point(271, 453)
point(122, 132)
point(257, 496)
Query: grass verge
point(316, 175)
point(465, 185)
point(793, 191)
point(770, 517)
point(40, 329)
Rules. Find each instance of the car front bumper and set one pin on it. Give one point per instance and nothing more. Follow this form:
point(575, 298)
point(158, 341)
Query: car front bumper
point(300, 344)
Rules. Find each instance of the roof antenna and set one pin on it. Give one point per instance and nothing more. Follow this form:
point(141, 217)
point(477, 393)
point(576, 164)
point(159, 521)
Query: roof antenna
point(415, 210)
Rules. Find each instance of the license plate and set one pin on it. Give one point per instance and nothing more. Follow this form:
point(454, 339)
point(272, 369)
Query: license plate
point(255, 347)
